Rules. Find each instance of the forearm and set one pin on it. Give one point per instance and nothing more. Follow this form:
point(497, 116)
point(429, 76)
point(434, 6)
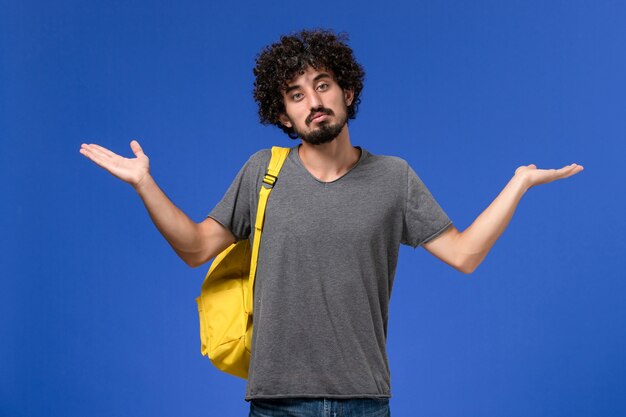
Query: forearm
point(477, 240)
point(177, 228)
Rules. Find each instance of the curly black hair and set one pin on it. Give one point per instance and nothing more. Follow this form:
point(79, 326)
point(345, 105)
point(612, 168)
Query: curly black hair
point(278, 63)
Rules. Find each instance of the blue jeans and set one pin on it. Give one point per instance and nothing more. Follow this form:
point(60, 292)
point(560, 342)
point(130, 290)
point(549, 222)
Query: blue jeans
point(320, 407)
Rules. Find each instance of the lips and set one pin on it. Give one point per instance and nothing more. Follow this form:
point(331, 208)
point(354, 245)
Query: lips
point(319, 116)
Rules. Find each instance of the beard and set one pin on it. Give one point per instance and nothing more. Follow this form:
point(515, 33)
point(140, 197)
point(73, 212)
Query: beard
point(325, 133)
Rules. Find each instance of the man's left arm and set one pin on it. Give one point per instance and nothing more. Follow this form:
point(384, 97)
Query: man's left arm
point(466, 250)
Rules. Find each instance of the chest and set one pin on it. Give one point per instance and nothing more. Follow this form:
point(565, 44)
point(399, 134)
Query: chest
point(345, 211)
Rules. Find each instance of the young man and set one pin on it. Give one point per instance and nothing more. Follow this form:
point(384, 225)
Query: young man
point(334, 223)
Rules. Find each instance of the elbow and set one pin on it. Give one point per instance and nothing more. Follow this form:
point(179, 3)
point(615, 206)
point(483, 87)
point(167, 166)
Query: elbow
point(469, 261)
point(467, 267)
point(192, 263)
point(467, 270)
point(190, 259)
point(195, 262)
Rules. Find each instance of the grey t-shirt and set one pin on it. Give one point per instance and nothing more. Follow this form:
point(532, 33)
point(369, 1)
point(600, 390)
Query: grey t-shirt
point(326, 266)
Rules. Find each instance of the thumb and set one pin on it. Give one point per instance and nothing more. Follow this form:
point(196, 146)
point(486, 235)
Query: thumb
point(134, 145)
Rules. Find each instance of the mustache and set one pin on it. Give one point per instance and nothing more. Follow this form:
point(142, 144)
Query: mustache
point(323, 110)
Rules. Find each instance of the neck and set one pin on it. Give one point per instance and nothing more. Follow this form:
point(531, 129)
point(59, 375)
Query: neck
point(331, 160)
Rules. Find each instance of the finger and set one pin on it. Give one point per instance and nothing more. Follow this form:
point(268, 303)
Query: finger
point(92, 149)
point(134, 145)
point(103, 150)
point(569, 168)
point(100, 151)
point(575, 169)
point(97, 159)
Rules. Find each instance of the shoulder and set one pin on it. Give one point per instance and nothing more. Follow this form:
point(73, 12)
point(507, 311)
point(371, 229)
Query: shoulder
point(259, 158)
point(257, 162)
point(388, 163)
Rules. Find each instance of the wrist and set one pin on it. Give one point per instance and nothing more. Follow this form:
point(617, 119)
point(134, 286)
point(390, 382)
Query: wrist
point(143, 183)
point(520, 180)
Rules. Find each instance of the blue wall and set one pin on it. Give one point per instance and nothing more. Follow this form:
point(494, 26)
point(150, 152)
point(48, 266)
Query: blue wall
point(97, 313)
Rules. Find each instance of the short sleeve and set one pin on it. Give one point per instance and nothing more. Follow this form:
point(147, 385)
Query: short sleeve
point(233, 211)
point(424, 219)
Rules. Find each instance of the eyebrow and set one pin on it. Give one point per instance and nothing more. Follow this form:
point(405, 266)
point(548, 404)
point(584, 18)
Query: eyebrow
point(296, 86)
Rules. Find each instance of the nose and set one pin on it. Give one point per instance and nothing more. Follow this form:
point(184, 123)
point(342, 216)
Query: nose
point(315, 101)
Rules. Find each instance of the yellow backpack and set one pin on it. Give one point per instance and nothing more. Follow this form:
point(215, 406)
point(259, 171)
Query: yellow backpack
point(225, 302)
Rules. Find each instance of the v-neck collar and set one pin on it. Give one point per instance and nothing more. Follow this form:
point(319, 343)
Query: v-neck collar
point(294, 154)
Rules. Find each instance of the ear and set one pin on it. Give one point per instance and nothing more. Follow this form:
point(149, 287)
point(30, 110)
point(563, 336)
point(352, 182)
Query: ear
point(348, 96)
point(284, 120)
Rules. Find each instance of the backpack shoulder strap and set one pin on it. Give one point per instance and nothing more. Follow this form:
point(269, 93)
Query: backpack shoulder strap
point(279, 155)
point(276, 163)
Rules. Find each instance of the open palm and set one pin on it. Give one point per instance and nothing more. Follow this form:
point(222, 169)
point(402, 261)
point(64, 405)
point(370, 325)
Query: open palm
point(130, 170)
point(534, 176)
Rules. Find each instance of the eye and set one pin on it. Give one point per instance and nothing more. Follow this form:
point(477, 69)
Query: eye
point(297, 96)
point(323, 86)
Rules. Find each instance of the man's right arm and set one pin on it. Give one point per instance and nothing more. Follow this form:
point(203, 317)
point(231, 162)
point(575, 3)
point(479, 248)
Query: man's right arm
point(195, 243)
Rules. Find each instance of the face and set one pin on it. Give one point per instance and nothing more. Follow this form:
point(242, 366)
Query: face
point(315, 106)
